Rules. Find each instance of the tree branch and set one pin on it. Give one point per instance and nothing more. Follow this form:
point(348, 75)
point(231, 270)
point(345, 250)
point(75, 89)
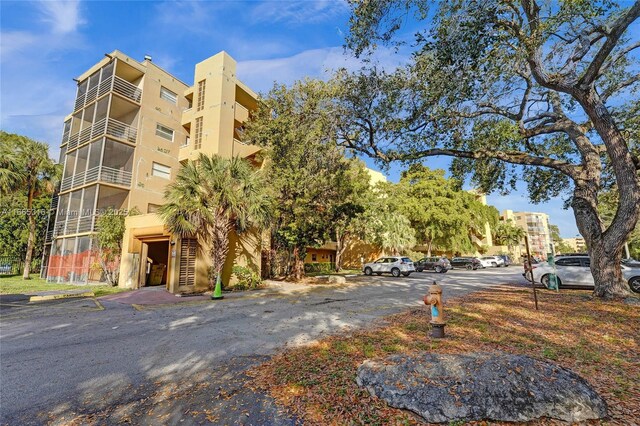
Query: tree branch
point(612, 89)
point(513, 157)
point(617, 29)
point(617, 57)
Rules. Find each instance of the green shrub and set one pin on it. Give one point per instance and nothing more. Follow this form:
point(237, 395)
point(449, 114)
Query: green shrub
point(247, 279)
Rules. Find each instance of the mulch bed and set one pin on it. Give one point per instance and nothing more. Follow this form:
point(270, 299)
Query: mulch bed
point(596, 339)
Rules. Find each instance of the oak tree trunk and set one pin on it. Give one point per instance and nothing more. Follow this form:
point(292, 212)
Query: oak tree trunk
point(605, 246)
point(605, 262)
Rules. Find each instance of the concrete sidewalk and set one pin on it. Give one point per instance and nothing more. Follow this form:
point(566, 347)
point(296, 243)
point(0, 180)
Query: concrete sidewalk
point(41, 296)
point(151, 296)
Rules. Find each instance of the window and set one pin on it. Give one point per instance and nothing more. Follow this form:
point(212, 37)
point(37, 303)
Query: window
point(201, 87)
point(153, 208)
point(314, 257)
point(197, 144)
point(161, 170)
point(164, 132)
point(187, 262)
point(575, 261)
point(168, 95)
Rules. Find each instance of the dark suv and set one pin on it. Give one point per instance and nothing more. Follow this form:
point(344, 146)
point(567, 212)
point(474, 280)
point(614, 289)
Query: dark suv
point(466, 262)
point(438, 264)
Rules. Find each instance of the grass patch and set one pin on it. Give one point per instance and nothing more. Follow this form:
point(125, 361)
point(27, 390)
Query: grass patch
point(16, 285)
point(598, 340)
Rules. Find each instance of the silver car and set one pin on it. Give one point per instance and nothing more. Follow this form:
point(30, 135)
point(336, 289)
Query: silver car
point(574, 271)
point(395, 265)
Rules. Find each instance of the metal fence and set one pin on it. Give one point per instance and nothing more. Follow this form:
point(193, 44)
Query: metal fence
point(11, 265)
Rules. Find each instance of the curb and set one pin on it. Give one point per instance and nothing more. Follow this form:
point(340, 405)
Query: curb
point(60, 296)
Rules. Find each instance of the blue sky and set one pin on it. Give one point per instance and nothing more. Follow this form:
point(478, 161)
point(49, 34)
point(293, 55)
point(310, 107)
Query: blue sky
point(45, 44)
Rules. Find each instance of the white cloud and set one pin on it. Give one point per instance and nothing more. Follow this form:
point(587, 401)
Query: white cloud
point(15, 41)
point(189, 16)
point(299, 12)
point(37, 89)
point(314, 63)
point(63, 15)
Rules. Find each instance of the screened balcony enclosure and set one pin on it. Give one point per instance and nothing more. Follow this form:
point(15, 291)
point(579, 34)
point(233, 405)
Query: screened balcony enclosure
point(125, 82)
point(78, 210)
point(110, 116)
point(104, 160)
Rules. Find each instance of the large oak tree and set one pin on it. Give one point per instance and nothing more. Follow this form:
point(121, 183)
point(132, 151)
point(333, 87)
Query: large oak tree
point(544, 92)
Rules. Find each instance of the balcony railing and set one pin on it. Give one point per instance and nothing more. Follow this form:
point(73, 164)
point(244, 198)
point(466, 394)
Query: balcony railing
point(106, 126)
point(97, 174)
point(113, 83)
point(76, 225)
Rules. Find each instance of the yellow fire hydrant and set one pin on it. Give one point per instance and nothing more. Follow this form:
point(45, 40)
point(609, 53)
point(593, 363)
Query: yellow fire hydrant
point(434, 298)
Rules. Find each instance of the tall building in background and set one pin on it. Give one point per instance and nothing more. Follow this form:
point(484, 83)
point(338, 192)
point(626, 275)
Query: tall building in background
point(577, 244)
point(536, 225)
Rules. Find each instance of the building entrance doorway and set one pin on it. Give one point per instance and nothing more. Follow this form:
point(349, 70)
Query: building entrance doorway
point(155, 263)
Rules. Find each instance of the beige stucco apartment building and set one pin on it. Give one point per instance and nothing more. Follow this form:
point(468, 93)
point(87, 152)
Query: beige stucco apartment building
point(132, 126)
point(536, 225)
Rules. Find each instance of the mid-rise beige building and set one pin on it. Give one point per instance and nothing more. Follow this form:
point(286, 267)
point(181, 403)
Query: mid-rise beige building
point(132, 126)
point(577, 244)
point(536, 225)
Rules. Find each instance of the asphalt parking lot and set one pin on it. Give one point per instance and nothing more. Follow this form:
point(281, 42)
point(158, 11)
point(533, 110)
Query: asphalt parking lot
point(86, 355)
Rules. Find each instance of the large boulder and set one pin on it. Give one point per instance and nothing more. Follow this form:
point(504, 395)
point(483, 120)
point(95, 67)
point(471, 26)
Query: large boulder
point(336, 279)
point(481, 386)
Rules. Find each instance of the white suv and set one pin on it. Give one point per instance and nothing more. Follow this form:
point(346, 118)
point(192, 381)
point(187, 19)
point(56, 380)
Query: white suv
point(395, 265)
point(491, 261)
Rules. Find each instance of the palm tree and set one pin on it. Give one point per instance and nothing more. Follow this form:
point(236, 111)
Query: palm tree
point(508, 234)
point(209, 198)
point(25, 166)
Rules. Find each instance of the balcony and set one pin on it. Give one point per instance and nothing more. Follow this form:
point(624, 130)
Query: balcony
point(241, 113)
point(106, 126)
point(100, 174)
point(244, 150)
point(76, 225)
point(112, 84)
point(187, 117)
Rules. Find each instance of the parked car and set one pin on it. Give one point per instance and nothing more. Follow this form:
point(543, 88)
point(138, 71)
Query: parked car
point(465, 262)
point(491, 261)
point(395, 265)
point(438, 264)
point(574, 271)
point(507, 259)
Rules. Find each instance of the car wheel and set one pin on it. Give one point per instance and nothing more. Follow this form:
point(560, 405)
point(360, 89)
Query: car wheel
point(438, 269)
point(420, 270)
point(395, 272)
point(545, 281)
point(470, 267)
point(368, 271)
point(494, 264)
point(634, 283)
point(406, 274)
